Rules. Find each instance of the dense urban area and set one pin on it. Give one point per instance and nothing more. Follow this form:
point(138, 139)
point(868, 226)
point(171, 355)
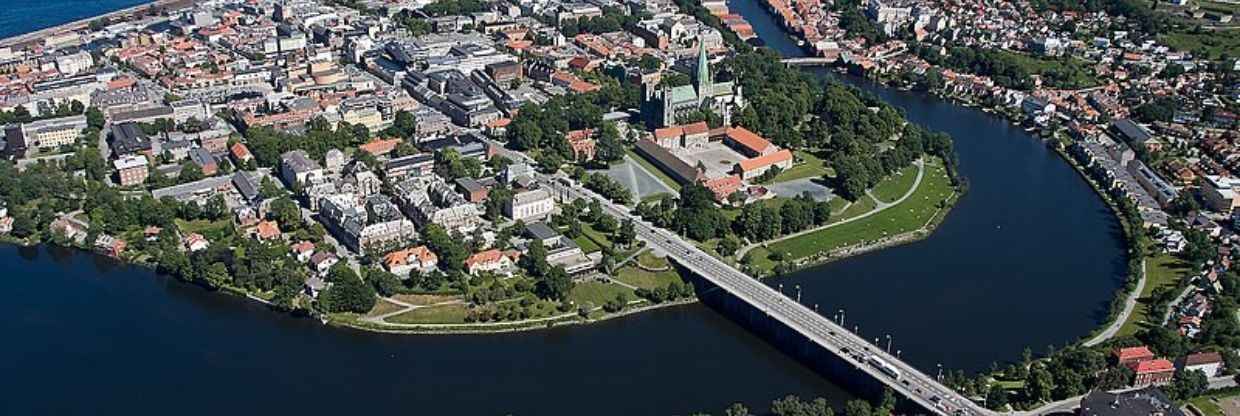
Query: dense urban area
point(435, 166)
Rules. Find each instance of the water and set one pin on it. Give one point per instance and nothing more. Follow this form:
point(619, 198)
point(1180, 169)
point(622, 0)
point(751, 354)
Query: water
point(21, 16)
point(1029, 257)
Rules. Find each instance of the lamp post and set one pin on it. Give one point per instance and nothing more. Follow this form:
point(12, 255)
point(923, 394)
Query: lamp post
point(889, 343)
point(798, 293)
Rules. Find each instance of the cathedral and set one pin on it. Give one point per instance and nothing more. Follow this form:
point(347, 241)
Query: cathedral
point(665, 104)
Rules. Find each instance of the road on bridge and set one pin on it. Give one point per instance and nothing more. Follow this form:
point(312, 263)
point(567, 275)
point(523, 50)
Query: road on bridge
point(911, 383)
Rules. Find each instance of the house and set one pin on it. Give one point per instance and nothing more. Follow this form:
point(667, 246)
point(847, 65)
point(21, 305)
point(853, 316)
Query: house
point(323, 261)
point(492, 260)
point(109, 246)
point(204, 160)
point(1144, 402)
point(267, 230)
point(303, 250)
point(402, 262)
point(195, 242)
point(1129, 355)
point(314, 285)
point(1152, 372)
point(1137, 134)
point(581, 144)
point(1210, 363)
point(240, 153)
point(151, 233)
point(6, 225)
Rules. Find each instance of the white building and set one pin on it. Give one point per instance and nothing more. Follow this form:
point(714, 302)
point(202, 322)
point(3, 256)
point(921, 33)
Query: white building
point(530, 205)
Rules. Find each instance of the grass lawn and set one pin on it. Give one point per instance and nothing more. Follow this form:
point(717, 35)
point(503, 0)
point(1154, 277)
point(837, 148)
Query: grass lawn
point(647, 280)
point(1162, 270)
point(587, 245)
point(597, 293)
point(1213, 43)
point(651, 261)
point(422, 299)
point(671, 183)
point(1207, 405)
point(203, 227)
point(907, 216)
point(863, 205)
point(446, 314)
point(1081, 76)
point(808, 165)
point(759, 258)
point(895, 186)
point(382, 307)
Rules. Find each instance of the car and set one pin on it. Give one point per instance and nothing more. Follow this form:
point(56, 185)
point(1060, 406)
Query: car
point(905, 381)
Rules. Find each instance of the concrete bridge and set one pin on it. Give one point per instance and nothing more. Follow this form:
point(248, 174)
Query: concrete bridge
point(858, 353)
point(807, 61)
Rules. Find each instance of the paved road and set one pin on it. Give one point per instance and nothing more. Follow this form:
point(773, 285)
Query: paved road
point(1129, 305)
point(899, 376)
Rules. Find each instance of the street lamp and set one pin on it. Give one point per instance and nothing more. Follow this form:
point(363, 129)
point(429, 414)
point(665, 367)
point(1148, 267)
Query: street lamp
point(781, 288)
point(940, 376)
point(889, 343)
point(798, 293)
point(841, 317)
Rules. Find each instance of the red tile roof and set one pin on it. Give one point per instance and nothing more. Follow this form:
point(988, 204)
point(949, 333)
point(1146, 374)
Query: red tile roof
point(749, 139)
point(380, 147)
point(1134, 353)
point(765, 160)
point(697, 128)
point(1152, 366)
point(1203, 358)
point(666, 132)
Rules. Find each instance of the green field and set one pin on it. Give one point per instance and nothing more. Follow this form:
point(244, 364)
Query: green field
point(895, 186)
point(910, 215)
point(808, 166)
point(863, 205)
point(1207, 406)
point(636, 276)
point(1162, 270)
point(1073, 73)
point(1214, 44)
point(445, 314)
point(597, 293)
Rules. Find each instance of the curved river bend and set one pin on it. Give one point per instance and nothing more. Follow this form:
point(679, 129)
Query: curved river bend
point(1029, 257)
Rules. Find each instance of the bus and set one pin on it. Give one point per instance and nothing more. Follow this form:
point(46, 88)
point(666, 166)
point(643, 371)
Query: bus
point(884, 366)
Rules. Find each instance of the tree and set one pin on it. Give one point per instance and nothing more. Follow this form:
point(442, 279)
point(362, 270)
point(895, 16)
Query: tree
point(190, 172)
point(347, 292)
point(627, 234)
point(1039, 385)
point(405, 125)
point(1188, 384)
point(216, 275)
point(286, 212)
point(728, 245)
point(858, 408)
point(736, 409)
point(384, 283)
point(555, 285)
point(610, 148)
point(996, 398)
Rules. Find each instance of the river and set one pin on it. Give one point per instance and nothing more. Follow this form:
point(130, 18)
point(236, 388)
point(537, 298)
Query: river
point(1029, 257)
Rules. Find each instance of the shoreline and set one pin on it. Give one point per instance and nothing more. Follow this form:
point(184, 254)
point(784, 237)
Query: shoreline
point(1122, 295)
point(80, 23)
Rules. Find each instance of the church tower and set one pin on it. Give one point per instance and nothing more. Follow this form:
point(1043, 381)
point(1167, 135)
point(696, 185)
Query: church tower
point(705, 86)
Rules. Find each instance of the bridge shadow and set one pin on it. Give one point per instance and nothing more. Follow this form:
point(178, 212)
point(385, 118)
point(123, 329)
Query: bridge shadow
point(825, 363)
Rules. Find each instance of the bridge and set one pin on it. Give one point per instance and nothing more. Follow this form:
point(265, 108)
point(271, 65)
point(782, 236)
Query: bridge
point(905, 380)
point(807, 61)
